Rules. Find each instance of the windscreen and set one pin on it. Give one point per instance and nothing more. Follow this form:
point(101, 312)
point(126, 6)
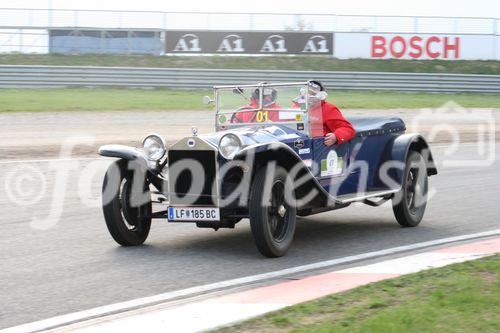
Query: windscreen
point(268, 104)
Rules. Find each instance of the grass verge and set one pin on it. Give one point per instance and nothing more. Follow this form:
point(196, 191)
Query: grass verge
point(107, 99)
point(310, 63)
point(458, 298)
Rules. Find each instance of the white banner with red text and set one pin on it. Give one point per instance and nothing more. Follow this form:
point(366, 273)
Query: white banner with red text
point(416, 46)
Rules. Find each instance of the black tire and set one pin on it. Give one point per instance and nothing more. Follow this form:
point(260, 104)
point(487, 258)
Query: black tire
point(127, 223)
point(409, 204)
point(272, 223)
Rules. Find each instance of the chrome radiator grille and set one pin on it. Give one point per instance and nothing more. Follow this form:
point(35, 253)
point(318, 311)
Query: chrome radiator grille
point(183, 177)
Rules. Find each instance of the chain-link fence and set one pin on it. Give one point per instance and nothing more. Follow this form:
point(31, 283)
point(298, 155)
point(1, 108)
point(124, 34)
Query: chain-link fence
point(42, 18)
point(25, 30)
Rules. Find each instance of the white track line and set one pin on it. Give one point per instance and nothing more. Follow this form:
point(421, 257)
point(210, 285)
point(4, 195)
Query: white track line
point(51, 160)
point(209, 314)
point(414, 263)
point(160, 298)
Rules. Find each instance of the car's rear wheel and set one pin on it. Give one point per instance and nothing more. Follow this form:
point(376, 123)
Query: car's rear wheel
point(272, 212)
point(126, 205)
point(410, 203)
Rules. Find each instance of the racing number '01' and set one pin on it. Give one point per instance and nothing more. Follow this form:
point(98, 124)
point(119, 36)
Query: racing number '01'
point(262, 116)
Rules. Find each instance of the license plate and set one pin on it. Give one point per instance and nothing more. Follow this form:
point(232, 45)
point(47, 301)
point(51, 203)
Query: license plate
point(186, 214)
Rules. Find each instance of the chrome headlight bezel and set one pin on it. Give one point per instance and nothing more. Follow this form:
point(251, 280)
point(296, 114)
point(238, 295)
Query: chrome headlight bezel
point(147, 145)
point(229, 145)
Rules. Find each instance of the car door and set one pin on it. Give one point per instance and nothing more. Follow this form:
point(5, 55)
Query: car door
point(331, 165)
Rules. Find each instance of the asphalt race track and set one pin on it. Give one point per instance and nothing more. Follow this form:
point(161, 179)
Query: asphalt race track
point(56, 266)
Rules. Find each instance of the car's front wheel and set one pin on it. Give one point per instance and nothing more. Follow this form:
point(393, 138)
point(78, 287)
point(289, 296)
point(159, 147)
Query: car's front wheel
point(126, 204)
point(272, 212)
point(409, 204)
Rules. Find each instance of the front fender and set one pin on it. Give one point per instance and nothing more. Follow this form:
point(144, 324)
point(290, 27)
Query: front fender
point(286, 157)
point(126, 153)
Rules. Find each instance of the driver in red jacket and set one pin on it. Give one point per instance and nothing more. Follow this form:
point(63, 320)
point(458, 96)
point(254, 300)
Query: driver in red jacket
point(269, 103)
point(336, 128)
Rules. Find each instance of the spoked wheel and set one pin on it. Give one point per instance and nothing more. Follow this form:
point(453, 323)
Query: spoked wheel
point(409, 204)
point(126, 205)
point(277, 211)
point(272, 214)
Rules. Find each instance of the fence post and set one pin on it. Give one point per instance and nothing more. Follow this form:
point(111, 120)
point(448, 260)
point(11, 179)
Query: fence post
point(75, 18)
point(251, 18)
point(30, 17)
point(120, 18)
point(495, 37)
point(50, 13)
point(20, 31)
point(334, 48)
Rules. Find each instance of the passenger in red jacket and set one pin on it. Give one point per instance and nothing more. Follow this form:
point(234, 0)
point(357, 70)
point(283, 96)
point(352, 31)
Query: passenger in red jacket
point(336, 128)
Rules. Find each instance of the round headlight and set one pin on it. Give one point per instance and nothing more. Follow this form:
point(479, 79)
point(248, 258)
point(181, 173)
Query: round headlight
point(229, 146)
point(154, 147)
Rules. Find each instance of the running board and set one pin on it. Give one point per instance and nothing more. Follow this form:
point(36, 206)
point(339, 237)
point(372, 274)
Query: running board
point(354, 197)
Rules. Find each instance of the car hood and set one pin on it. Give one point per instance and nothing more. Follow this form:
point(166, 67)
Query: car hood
point(250, 135)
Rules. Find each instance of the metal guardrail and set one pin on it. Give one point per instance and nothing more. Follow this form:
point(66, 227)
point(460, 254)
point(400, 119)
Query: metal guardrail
point(67, 76)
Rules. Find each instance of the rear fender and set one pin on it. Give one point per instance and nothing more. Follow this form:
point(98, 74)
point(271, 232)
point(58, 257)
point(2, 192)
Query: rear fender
point(398, 150)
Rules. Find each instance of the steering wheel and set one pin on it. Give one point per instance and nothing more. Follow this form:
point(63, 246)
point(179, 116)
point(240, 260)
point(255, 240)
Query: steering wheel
point(236, 119)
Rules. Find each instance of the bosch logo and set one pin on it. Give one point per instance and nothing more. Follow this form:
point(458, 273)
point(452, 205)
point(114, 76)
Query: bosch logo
point(415, 47)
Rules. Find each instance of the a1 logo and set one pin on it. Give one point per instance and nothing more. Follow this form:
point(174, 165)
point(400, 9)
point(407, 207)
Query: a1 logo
point(188, 43)
point(231, 43)
point(274, 44)
point(316, 44)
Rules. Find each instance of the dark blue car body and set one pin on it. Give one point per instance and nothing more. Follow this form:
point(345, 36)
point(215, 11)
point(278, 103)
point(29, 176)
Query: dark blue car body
point(381, 162)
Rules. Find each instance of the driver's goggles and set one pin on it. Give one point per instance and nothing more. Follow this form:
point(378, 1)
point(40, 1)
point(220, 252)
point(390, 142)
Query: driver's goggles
point(267, 91)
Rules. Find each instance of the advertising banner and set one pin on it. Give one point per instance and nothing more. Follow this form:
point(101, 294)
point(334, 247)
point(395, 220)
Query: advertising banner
point(249, 42)
point(415, 46)
point(65, 41)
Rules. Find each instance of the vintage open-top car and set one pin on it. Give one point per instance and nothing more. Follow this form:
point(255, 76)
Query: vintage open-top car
point(266, 161)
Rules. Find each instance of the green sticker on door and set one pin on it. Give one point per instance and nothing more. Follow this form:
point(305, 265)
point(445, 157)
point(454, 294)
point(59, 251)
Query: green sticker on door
point(332, 165)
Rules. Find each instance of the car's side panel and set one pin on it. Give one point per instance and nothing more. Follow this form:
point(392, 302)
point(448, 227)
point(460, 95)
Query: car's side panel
point(303, 147)
point(364, 158)
point(285, 156)
point(331, 164)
